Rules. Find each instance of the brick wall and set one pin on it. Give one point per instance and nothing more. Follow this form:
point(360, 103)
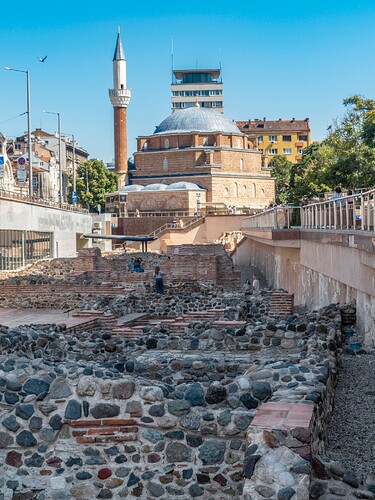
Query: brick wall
point(281, 304)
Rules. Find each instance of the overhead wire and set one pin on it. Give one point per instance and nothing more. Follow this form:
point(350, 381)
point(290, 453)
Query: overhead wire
point(13, 117)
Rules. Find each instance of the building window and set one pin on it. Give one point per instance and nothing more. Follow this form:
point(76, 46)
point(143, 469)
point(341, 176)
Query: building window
point(261, 150)
point(287, 138)
point(238, 142)
point(300, 151)
point(17, 146)
point(273, 151)
point(260, 138)
point(166, 143)
point(165, 164)
point(272, 138)
point(241, 164)
point(302, 137)
point(253, 190)
point(145, 145)
point(205, 141)
point(235, 190)
point(287, 151)
point(244, 189)
point(226, 191)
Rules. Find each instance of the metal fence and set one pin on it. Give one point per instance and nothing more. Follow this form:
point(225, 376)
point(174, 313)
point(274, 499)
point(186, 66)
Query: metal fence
point(11, 195)
point(19, 248)
point(355, 212)
point(347, 212)
point(283, 217)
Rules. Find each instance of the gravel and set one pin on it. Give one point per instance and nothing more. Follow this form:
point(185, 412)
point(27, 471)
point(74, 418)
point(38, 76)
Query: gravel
point(352, 428)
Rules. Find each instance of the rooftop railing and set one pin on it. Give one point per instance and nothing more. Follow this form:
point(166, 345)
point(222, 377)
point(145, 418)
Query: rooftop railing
point(10, 195)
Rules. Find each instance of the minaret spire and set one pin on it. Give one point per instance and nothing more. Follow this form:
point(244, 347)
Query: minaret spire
point(120, 98)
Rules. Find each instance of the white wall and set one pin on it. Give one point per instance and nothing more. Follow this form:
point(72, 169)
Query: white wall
point(66, 226)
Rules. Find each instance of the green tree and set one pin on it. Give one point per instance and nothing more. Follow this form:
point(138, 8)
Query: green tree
point(93, 181)
point(345, 158)
point(281, 169)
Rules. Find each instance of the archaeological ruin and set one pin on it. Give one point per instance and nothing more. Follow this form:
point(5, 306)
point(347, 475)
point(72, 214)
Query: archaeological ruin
point(208, 391)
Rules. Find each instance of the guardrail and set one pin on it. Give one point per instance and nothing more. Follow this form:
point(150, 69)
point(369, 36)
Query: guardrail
point(355, 212)
point(348, 212)
point(274, 218)
point(171, 225)
point(10, 195)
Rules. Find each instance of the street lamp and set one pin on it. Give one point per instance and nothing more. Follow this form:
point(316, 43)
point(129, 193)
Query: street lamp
point(60, 159)
point(28, 127)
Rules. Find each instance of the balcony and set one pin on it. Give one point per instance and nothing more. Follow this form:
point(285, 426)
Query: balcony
point(300, 144)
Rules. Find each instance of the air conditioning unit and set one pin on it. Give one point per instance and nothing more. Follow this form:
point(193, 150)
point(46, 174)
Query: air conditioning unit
point(97, 225)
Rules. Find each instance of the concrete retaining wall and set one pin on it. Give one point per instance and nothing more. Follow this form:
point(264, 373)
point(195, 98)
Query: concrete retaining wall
point(65, 226)
point(319, 269)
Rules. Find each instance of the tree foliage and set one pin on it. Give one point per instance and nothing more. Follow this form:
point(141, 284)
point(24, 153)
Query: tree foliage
point(281, 169)
point(93, 181)
point(345, 158)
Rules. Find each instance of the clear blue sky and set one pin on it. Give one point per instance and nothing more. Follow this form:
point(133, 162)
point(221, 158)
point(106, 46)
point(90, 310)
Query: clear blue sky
point(281, 59)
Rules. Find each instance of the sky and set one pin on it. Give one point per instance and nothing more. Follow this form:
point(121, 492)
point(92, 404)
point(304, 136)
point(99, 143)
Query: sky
point(280, 59)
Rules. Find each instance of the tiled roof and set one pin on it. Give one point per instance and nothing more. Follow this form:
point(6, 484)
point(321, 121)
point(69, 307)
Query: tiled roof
point(270, 126)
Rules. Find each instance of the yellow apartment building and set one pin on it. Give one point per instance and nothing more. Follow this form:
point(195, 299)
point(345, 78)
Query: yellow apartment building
point(279, 137)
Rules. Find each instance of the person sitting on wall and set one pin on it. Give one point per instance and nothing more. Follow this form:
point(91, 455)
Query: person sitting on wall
point(131, 264)
point(138, 266)
point(247, 285)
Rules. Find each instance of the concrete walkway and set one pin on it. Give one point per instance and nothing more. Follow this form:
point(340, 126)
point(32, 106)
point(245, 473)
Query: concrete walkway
point(16, 317)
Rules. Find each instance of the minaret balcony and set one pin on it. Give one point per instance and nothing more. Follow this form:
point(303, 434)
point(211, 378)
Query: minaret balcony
point(120, 97)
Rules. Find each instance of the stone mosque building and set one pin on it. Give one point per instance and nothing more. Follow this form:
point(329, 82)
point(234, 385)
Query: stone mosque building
point(196, 158)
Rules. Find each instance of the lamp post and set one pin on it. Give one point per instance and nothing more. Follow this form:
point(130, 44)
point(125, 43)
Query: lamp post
point(29, 151)
point(60, 158)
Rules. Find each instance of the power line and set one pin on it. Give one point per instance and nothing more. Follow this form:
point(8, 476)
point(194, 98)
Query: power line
point(9, 119)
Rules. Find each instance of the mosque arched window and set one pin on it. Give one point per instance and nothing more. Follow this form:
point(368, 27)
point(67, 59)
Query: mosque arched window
point(254, 191)
point(241, 164)
point(145, 145)
point(236, 190)
point(165, 164)
point(226, 191)
point(166, 143)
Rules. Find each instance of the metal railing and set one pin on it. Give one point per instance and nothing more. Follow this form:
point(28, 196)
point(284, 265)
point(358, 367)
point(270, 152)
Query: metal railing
point(11, 195)
point(283, 217)
point(171, 225)
point(348, 212)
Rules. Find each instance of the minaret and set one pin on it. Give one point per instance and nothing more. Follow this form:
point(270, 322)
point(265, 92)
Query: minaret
point(120, 97)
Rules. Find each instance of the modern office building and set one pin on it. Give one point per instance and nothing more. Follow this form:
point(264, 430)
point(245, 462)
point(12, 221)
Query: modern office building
point(204, 84)
point(279, 137)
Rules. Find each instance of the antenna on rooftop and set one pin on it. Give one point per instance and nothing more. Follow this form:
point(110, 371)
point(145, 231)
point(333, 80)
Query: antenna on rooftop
point(172, 58)
point(220, 64)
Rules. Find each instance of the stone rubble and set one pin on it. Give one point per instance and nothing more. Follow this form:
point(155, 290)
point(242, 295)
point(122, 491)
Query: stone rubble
point(172, 412)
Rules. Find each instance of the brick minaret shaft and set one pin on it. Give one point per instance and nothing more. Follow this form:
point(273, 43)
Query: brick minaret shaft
point(120, 97)
point(121, 147)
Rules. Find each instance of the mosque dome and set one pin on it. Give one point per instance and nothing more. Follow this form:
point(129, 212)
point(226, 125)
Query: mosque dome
point(197, 119)
point(154, 187)
point(131, 188)
point(182, 185)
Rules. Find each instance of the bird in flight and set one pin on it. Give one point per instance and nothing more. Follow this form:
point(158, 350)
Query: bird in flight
point(42, 59)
